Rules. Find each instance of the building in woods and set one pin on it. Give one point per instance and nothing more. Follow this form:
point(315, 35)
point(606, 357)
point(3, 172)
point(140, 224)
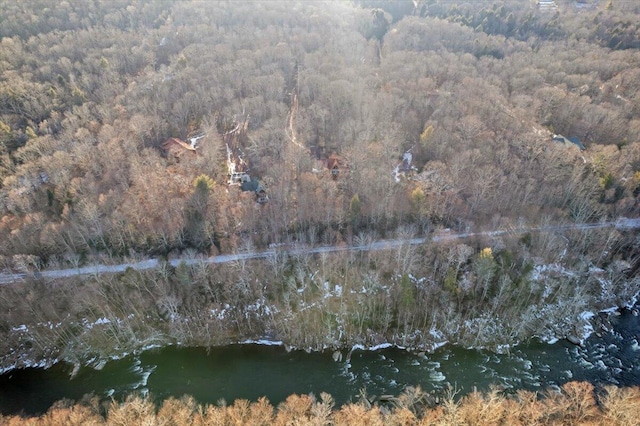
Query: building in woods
point(238, 167)
point(404, 167)
point(334, 165)
point(569, 141)
point(255, 187)
point(176, 147)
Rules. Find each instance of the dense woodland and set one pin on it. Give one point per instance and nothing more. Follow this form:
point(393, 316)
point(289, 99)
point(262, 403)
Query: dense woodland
point(91, 90)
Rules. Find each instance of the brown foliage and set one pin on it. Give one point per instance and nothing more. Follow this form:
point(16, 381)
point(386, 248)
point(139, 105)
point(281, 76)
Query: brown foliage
point(135, 410)
point(486, 409)
point(184, 411)
point(574, 404)
point(358, 415)
point(80, 133)
point(620, 405)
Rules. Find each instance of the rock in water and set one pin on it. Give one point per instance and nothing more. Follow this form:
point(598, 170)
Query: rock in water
point(572, 338)
point(74, 372)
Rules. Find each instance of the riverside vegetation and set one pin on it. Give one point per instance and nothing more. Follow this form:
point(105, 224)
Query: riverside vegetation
point(575, 404)
point(89, 92)
point(493, 298)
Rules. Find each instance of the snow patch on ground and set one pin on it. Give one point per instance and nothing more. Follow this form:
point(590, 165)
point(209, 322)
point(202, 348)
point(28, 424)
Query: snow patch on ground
point(438, 340)
point(380, 346)
point(259, 308)
point(503, 349)
point(541, 272)
point(586, 315)
point(220, 313)
point(26, 363)
point(587, 327)
point(633, 302)
point(264, 342)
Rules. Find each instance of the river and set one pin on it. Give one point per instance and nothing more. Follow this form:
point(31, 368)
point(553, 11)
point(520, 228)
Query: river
point(250, 371)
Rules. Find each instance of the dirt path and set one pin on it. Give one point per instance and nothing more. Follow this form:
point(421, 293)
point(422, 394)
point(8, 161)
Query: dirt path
point(291, 123)
point(620, 224)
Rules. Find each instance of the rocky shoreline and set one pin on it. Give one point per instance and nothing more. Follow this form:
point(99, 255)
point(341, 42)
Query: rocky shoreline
point(589, 324)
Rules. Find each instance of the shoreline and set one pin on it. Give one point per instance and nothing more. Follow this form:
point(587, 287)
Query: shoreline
point(98, 363)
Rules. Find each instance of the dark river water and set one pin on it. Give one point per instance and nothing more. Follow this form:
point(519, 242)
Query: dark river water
point(250, 371)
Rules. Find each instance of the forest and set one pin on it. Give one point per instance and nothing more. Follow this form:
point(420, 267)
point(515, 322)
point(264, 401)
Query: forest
point(184, 129)
point(91, 90)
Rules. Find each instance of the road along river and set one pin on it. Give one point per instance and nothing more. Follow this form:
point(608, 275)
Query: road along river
point(7, 278)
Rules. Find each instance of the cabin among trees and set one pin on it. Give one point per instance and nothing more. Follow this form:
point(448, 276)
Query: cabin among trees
point(174, 147)
point(238, 174)
point(256, 187)
point(573, 141)
point(238, 164)
point(404, 167)
point(237, 167)
point(334, 164)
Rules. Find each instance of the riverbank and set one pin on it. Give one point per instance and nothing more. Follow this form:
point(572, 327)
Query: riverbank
point(251, 371)
point(574, 403)
point(488, 292)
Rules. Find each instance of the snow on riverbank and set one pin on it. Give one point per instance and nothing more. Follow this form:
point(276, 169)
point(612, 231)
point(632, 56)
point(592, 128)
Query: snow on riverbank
point(263, 342)
point(555, 319)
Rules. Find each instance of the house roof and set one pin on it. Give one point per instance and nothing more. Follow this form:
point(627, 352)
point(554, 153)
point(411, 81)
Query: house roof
point(333, 162)
point(175, 143)
point(568, 141)
point(251, 185)
point(255, 187)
